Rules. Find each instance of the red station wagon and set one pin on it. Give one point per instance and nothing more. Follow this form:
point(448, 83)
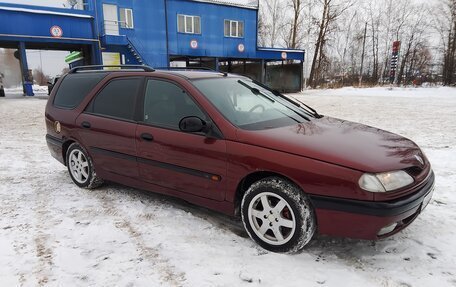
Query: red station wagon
point(233, 145)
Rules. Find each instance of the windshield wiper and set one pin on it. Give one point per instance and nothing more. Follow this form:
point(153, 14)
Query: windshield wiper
point(314, 112)
point(255, 91)
point(258, 92)
point(299, 104)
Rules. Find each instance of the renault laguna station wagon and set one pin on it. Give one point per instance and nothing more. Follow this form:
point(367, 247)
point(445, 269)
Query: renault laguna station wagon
point(233, 145)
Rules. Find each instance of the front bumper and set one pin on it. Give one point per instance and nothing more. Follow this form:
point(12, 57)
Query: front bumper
point(365, 219)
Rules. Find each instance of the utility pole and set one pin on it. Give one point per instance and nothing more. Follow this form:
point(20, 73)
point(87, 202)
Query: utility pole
point(362, 56)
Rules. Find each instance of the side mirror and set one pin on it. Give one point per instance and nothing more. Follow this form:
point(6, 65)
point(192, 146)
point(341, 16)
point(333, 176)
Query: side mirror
point(49, 83)
point(194, 124)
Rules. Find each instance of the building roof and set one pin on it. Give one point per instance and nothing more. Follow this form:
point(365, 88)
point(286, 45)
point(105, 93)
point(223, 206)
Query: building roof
point(41, 11)
point(251, 4)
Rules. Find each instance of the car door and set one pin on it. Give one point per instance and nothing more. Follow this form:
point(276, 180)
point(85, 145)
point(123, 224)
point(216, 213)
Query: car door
point(185, 162)
point(107, 127)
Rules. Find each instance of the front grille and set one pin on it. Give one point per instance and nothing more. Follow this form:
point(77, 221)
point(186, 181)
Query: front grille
point(414, 171)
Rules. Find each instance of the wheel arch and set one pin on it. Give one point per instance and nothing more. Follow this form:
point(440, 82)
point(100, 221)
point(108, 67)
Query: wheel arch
point(65, 146)
point(251, 178)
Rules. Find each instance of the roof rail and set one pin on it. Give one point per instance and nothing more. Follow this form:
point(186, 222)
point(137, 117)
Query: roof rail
point(185, 68)
point(121, 67)
point(192, 68)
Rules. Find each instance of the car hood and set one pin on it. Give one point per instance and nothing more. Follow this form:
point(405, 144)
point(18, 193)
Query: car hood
point(340, 142)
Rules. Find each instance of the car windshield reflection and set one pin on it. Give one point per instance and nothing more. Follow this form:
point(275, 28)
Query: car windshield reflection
point(248, 105)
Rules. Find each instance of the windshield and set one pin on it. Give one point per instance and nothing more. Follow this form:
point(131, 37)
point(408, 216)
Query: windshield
point(248, 105)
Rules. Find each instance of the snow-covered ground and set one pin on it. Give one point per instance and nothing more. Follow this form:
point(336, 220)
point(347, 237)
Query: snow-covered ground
point(37, 89)
point(54, 233)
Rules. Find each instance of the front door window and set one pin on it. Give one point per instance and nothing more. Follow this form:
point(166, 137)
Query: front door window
point(165, 104)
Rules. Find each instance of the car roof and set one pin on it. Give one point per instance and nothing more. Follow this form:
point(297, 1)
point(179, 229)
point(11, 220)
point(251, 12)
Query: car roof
point(196, 74)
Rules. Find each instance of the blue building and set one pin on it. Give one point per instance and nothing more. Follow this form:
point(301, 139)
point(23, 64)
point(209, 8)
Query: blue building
point(219, 34)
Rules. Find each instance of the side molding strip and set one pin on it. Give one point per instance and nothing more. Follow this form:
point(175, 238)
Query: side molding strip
point(159, 164)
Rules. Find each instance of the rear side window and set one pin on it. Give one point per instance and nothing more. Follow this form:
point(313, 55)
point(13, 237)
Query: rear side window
point(117, 99)
point(74, 88)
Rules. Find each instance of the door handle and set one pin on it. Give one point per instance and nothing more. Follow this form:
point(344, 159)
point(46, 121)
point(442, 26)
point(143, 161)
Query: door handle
point(147, 137)
point(85, 125)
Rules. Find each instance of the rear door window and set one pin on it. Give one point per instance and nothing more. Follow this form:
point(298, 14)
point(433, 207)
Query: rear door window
point(117, 99)
point(75, 88)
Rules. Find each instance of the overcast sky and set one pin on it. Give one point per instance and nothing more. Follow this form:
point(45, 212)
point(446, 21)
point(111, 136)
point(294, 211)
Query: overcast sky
point(52, 62)
point(48, 3)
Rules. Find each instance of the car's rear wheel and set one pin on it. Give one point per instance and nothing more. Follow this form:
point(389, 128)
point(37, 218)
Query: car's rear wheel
point(278, 215)
point(80, 167)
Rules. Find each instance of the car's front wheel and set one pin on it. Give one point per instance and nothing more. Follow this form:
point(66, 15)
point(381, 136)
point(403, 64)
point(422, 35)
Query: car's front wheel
point(278, 215)
point(80, 167)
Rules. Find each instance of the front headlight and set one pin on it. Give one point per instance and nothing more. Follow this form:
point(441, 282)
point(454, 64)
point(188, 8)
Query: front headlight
point(386, 181)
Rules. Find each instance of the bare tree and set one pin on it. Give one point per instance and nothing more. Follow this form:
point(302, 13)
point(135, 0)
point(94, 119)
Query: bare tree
point(39, 77)
point(419, 63)
point(387, 37)
point(348, 42)
point(374, 26)
point(314, 70)
point(413, 38)
point(362, 56)
point(262, 30)
point(331, 10)
point(273, 15)
point(446, 25)
point(293, 39)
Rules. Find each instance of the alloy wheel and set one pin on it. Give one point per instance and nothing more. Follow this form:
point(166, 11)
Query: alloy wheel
point(79, 166)
point(271, 218)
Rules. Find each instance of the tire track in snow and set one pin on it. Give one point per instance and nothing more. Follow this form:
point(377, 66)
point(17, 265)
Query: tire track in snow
point(36, 228)
point(42, 238)
point(32, 240)
point(23, 227)
point(167, 272)
point(43, 198)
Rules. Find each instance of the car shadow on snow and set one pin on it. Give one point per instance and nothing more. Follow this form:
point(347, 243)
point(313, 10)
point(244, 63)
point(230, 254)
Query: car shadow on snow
point(147, 197)
point(321, 247)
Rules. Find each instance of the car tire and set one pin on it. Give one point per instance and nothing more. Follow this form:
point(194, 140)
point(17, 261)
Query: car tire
point(80, 167)
point(278, 215)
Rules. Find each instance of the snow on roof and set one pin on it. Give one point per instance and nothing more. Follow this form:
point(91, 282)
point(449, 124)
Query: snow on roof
point(252, 4)
point(281, 50)
point(38, 11)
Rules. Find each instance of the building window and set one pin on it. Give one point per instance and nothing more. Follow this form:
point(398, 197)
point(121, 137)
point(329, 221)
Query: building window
point(126, 18)
point(234, 29)
point(188, 24)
